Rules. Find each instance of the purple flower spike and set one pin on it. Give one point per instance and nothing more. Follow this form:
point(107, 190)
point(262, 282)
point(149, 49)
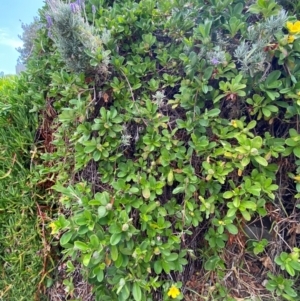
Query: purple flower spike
point(215, 61)
point(49, 21)
point(93, 9)
point(74, 7)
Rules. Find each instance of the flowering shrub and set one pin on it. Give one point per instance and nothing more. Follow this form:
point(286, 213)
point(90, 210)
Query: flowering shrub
point(28, 37)
point(76, 40)
point(161, 168)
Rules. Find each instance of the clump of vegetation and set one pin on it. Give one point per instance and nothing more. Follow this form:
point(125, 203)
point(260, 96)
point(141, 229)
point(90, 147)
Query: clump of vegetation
point(76, 40)
point(20, 232)
point(28, 36)
point(173, 171)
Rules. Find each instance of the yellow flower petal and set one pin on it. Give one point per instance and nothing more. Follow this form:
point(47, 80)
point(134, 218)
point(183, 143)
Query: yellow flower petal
point(173, 292)
point(234, 123)
point(297, 178)
point(293, 28)
point(54, 228)
point(297, 25)
point(289, 25)
point(291, 39)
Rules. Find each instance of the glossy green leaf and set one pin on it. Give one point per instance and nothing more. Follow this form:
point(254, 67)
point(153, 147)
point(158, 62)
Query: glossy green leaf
point(114, 252)
point(115, 238)
point(296, 151)
point(136, 292)
point(65, 238)
point(227, 194)
point(260, 160)
point(79, 245)
point(232, 229)
point(101, 211)
point(146, 193)
point(86, 259)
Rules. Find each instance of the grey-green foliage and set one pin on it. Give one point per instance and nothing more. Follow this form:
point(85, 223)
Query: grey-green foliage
point(28, 36)
point(251, 54)
point(75, 39)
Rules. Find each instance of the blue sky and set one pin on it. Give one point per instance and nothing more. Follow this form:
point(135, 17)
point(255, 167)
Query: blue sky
point(11, 12)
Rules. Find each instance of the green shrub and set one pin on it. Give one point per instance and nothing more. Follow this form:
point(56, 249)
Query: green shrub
point(161, 160)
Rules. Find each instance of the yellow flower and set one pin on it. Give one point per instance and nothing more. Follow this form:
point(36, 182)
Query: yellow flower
point(234, 123)
point(54, 228)
point(173, 292)
point(297, 178)
point(290, 39)
point(293, 28)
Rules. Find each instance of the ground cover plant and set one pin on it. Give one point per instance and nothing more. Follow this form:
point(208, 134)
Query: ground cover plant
point(20, 233)
point(169, 148)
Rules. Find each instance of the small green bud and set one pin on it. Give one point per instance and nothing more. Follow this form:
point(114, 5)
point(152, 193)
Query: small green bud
point(96, 254)
point(109, 207)
point(170, 177)
point(125, 227)
point(294, 256)
point(210, 171)
point(254, 152)
point(156, 251)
